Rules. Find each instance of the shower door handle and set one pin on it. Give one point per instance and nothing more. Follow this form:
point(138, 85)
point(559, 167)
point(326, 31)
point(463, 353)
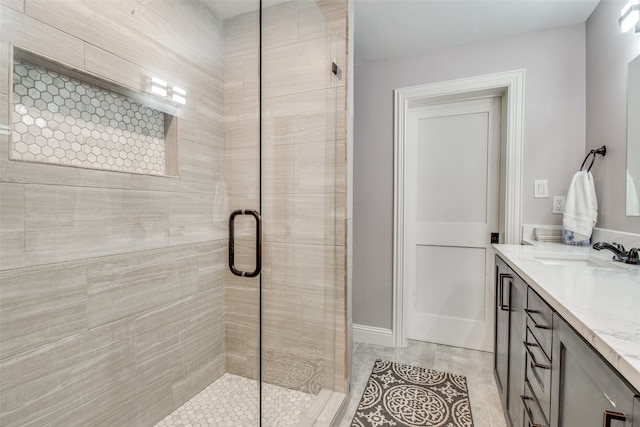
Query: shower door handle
point(258, 219)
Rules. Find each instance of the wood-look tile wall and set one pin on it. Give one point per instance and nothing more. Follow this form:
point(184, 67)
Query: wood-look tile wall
point(303, 183)
point(112, 285)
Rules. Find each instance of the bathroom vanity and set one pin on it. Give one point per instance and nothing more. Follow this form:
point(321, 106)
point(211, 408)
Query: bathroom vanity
point(567, 337)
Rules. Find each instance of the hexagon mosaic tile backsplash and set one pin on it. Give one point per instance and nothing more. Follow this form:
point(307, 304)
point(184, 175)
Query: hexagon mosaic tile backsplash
point(58, 119)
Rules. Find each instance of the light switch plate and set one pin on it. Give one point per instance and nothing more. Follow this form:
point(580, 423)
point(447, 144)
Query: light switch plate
point(540, 189)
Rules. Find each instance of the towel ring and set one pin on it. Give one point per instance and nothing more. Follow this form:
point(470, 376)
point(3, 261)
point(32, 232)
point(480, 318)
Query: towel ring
point(602, 151)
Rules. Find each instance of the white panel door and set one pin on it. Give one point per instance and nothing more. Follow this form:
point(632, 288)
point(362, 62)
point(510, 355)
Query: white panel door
point(454, 164)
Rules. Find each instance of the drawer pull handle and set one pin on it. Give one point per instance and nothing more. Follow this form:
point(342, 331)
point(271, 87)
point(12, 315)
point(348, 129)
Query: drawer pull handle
point(527, 411)
point(501, 298)
point(536, 324)
point(610, 416)
point(534, 363)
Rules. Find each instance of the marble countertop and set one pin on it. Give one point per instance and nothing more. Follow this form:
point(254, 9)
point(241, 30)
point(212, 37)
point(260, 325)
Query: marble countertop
point(601, 303)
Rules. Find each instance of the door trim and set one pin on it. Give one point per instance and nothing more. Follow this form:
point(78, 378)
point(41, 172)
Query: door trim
point(510, 85)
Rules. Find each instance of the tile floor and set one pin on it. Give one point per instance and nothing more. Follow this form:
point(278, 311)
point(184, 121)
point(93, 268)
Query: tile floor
point(475, 365)
point(233, 398)
point(232, 401)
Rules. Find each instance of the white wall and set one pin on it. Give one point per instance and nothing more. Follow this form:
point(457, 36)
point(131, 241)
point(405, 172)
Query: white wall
point(607, 55)
point(554, 139)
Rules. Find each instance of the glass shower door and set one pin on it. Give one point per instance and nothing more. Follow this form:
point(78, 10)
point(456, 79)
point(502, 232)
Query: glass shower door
point(303, 208)
point(294, 180)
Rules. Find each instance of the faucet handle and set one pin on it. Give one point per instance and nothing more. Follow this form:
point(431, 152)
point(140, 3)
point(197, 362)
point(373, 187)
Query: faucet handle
point(633, 257)
point(619, 246)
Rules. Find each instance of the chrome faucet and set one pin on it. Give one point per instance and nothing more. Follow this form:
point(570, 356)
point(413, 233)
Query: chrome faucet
point(619, 253)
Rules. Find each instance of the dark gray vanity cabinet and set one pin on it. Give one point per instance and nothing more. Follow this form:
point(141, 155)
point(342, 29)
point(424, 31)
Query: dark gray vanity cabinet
point(509, 335)
point(547, 374)
point(586, 390)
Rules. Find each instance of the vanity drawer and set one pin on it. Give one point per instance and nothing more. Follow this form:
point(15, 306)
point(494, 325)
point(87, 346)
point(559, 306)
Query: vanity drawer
point(538, 372)
point(533, 416)
point(539, 320)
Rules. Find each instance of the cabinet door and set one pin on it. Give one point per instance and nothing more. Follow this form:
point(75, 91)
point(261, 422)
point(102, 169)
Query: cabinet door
point(501, 342)
point(509, 335)
point(517, 302)
point(585, 391)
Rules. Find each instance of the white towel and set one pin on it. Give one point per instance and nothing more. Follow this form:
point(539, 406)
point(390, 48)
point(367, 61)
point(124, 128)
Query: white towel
point(581, 207)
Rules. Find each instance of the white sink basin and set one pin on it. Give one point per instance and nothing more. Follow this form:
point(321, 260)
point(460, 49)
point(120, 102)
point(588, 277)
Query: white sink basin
point(575, 260)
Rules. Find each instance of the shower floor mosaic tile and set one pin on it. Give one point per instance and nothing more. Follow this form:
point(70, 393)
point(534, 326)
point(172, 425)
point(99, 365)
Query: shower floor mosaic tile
point(232, 401)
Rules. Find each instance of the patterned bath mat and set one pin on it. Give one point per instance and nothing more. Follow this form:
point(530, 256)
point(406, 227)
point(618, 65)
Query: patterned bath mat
point(405, 396)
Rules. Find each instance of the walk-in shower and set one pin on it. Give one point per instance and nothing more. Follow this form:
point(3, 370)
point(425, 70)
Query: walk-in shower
point(173, 210)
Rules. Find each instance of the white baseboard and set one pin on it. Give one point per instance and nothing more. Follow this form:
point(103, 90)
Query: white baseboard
point(373, 335)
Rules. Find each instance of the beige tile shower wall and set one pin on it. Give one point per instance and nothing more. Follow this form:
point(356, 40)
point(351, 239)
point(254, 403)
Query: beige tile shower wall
point(112, 284)
point(64, 345)
point(241, 120)
point(303, 184)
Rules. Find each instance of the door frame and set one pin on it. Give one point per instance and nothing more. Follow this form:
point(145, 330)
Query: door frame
point(509, 85)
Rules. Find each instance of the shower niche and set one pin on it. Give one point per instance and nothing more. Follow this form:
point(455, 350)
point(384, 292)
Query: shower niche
point(62, 116)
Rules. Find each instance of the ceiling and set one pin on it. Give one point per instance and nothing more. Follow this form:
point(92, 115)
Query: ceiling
point(392, 28)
